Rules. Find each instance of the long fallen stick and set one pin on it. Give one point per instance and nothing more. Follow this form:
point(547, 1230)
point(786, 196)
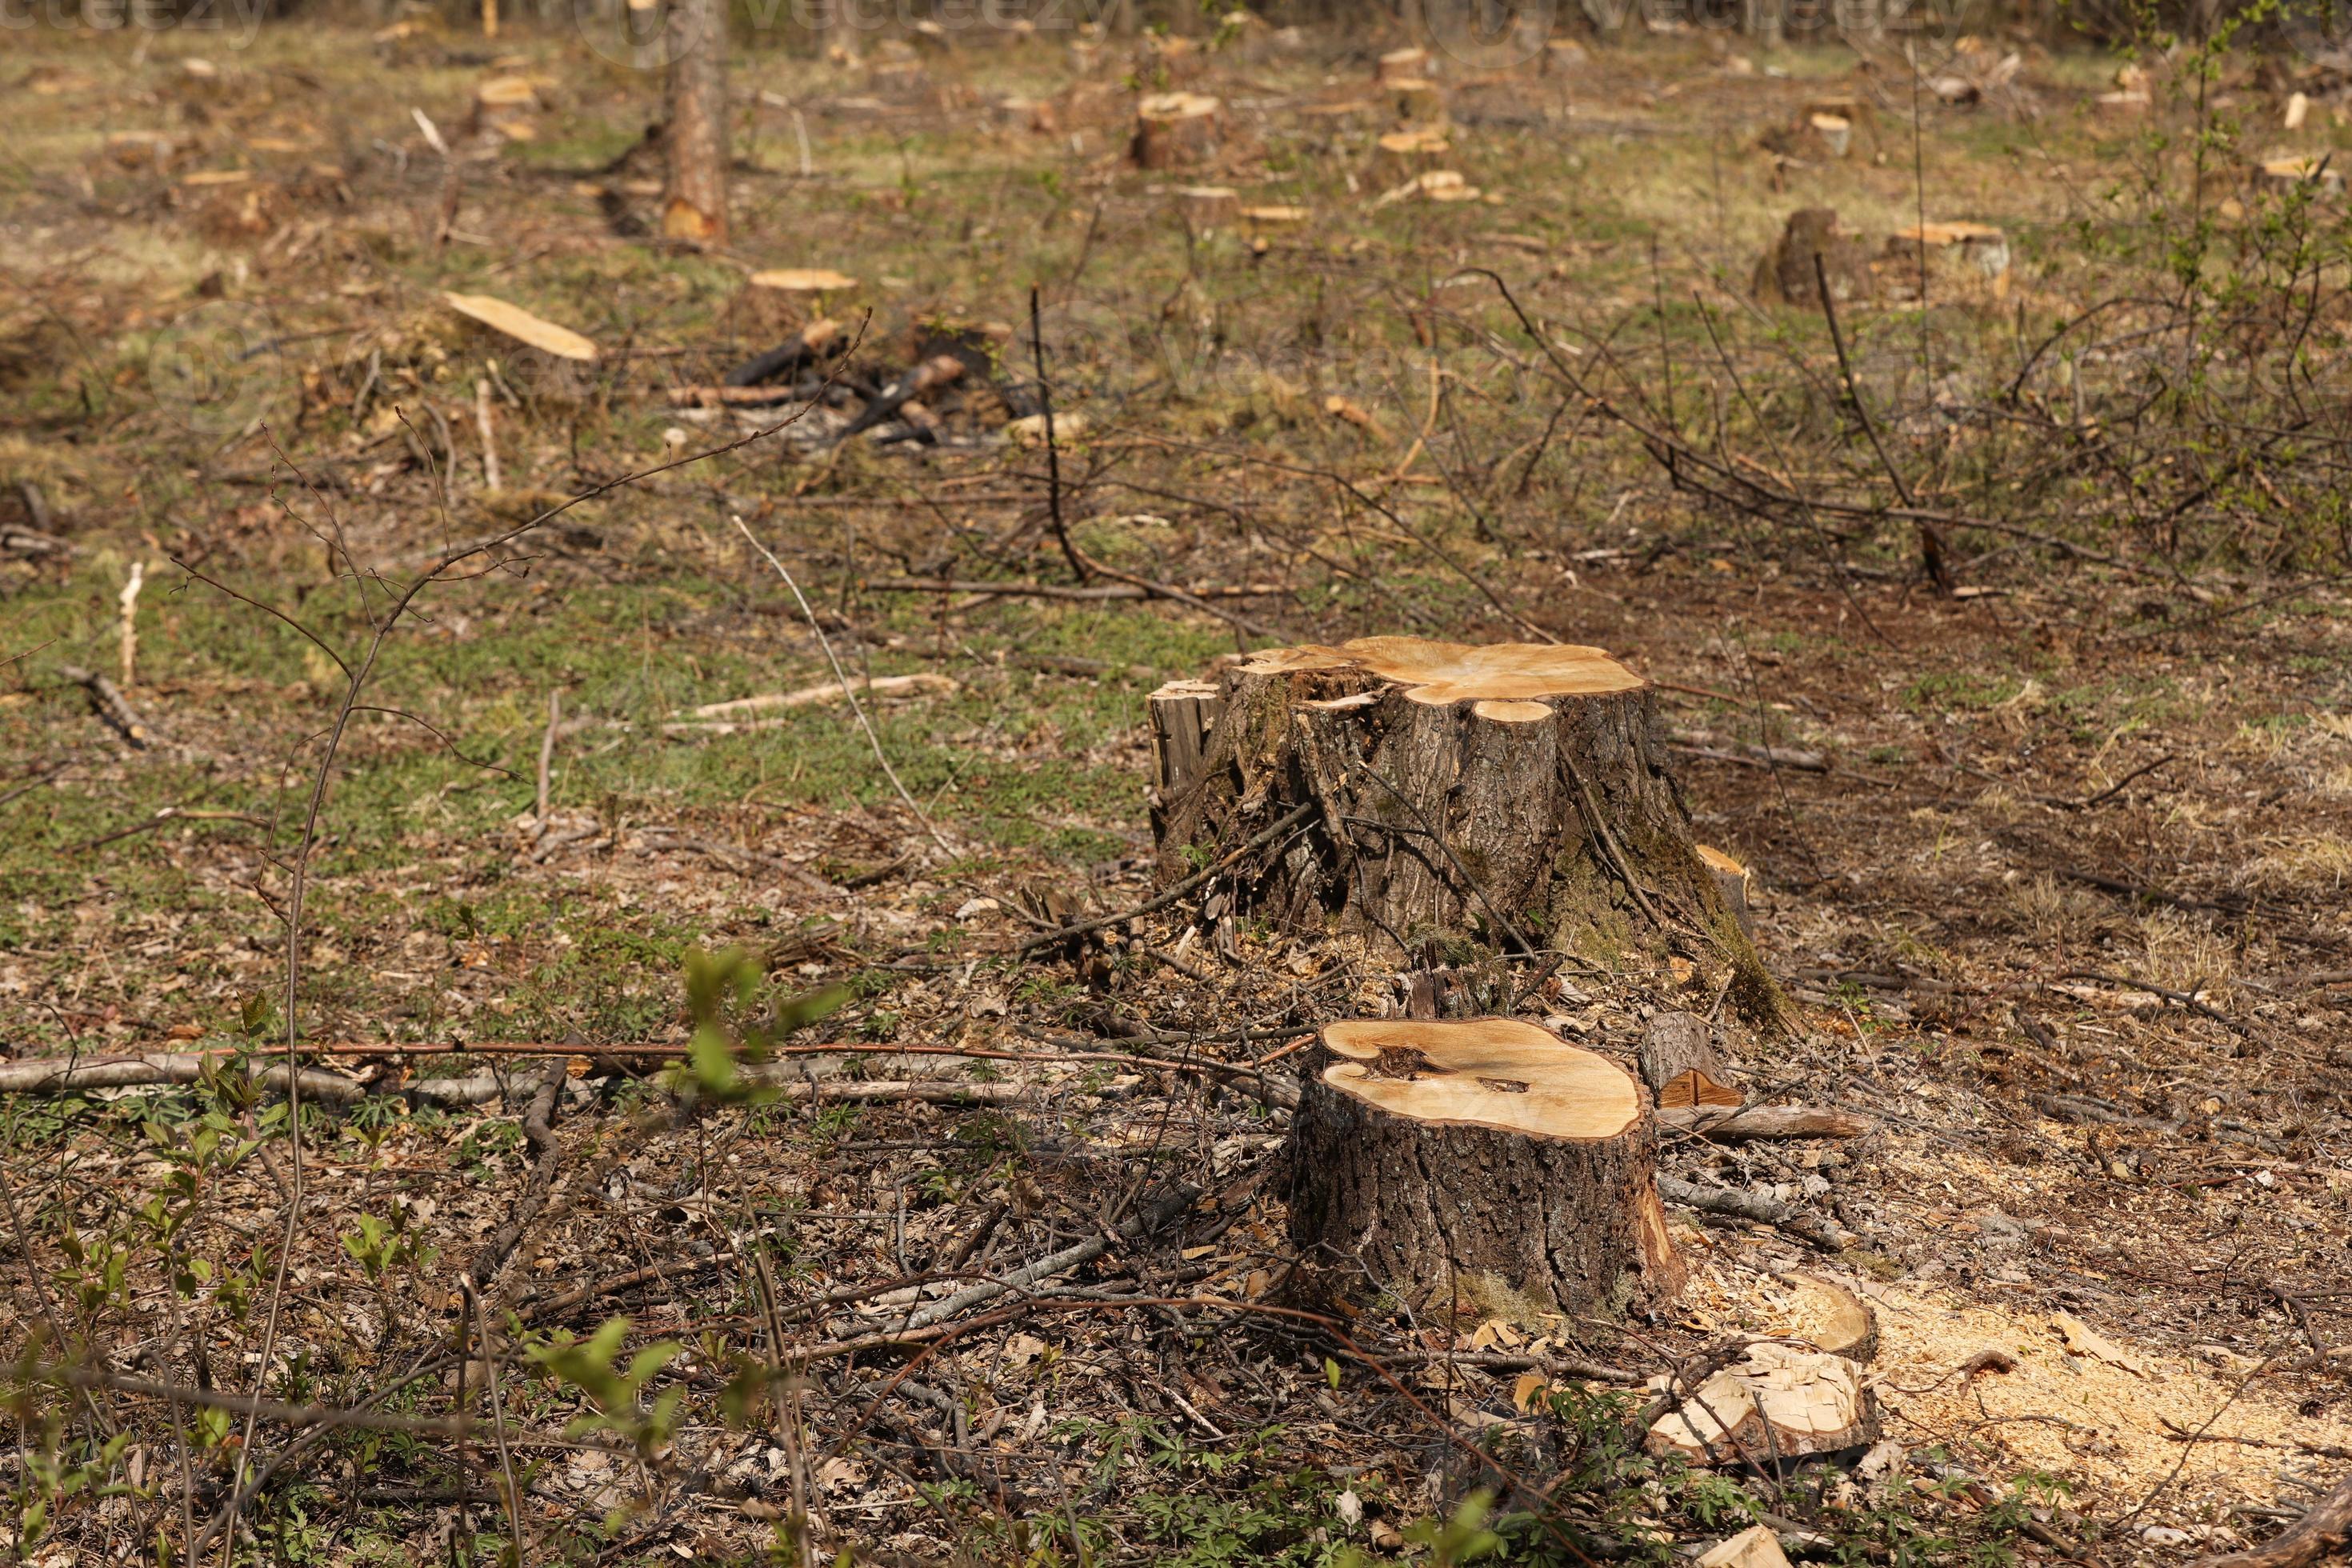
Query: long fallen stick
point(1752, 1206)
point(1766, 1121)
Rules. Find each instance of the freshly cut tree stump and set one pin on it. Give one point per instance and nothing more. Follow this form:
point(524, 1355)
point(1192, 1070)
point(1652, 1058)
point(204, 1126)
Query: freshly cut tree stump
point(1177, 129)
point(1515, 796)
point(1475, 1159)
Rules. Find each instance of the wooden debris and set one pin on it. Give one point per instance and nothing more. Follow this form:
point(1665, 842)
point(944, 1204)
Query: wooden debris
point(1408, 64)
point(1432, 1155)
point(821, 338)
point(1775, 1406)
point(1829, 1316)
point(107, 699)
point(1978, 247)
point(1762, 1122)
point(520, 324)
point(1754, 1547)
point(1434, 184)
point(1755, 1207)
point(1029, 430)
point(506, 107)
point(711, 714)
point(1682, 1067)
point(2081, 1339)
point(2322, 1532)
point(1732, 878)
point(1177, 129)
point(2301, 169)
point(1182, 715)
point(802, 280)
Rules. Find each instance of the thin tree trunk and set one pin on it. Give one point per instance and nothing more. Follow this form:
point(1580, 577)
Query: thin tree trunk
point(696, 137)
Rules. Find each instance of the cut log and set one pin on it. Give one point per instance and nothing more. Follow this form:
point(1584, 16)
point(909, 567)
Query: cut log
point(1450, 1159)
point(694, 208)
point(1682, 1067)
point(1401, 65)
point(1775, 1406)
point(819, 340)
point(1177, 129)
point(1515, 793)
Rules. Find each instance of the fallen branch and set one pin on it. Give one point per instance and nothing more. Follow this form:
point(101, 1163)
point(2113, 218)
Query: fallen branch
point(2326, 1531)
point(797, 1090)
point(698, 720)
point(1765, 1121)
point(107, 699)
point(70, 1075)
point(1754, 1207)
point(1124, 589)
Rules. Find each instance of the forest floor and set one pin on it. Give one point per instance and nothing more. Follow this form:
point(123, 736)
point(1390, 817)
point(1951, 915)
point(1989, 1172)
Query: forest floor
point(2054, 865)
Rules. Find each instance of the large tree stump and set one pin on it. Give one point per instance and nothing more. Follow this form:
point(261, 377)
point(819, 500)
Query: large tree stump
point(1514, 795)
point(1483, 1160)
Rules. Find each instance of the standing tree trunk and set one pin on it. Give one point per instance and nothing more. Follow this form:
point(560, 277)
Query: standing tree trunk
point(696, 136)
point(1514, 796)
point(1484, 1159)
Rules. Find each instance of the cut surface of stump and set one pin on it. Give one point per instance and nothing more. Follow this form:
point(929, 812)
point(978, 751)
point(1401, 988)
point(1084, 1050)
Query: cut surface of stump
point(1482, 1159)
point(1513, 795)
point(1177, 129)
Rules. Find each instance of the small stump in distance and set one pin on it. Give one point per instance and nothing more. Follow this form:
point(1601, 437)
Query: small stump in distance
point(1477, 1159)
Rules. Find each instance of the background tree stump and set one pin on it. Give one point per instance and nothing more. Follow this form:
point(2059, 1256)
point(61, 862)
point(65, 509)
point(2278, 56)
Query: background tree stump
point(1516, 796)
point(1177, 129)
point(1482, 1159)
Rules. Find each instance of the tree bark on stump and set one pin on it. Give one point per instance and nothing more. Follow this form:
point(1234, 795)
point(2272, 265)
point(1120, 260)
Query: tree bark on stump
point(1516, 796)
point(694, 208)
point(1177, 129)
point(1482, 1160)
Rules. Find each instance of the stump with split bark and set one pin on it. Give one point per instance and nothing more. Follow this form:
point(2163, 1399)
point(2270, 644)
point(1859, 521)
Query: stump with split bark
point(1514, 795)
point(1479, 1159)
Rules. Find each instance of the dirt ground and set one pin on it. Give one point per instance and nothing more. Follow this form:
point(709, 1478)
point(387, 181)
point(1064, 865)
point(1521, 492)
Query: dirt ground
point(2052, 866)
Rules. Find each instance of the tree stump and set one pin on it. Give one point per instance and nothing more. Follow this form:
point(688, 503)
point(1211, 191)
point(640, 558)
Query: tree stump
point(1483, 1160)
point(1177, 129)
point(1514, 796)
